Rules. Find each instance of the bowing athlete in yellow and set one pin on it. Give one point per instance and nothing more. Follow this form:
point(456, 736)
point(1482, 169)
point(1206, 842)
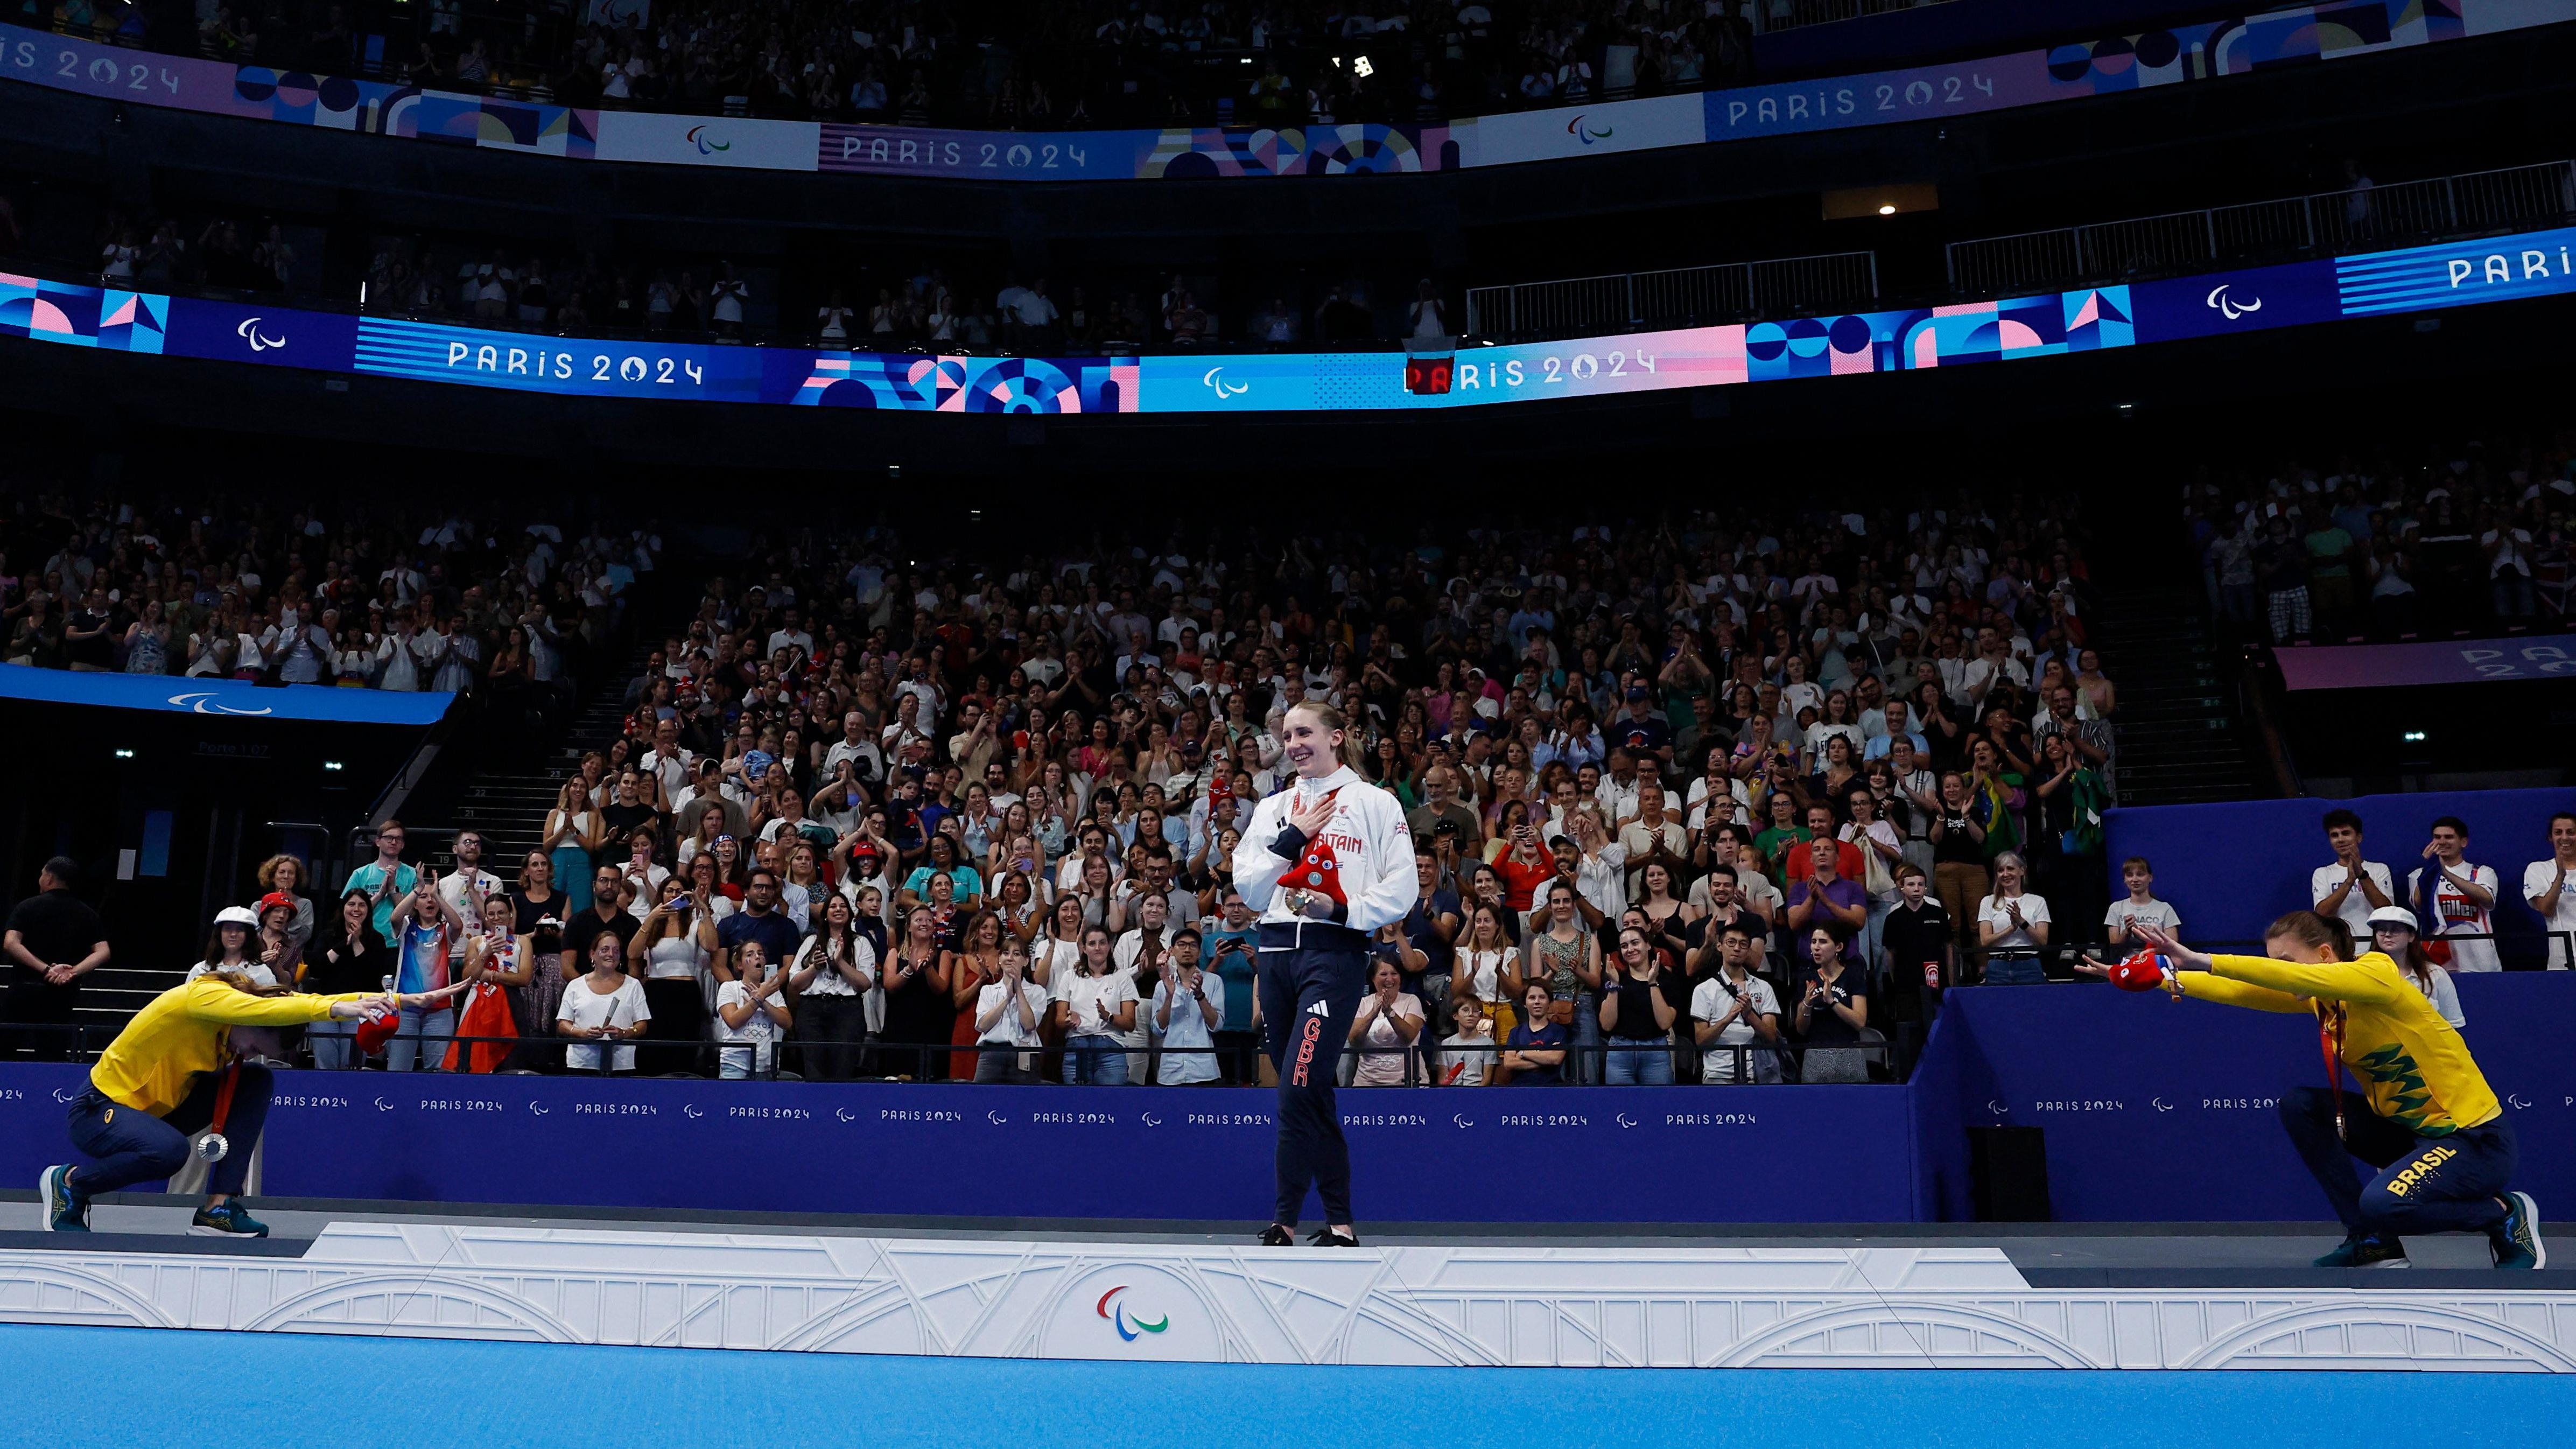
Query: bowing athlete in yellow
point(2425, 1116)
point(166, 1076)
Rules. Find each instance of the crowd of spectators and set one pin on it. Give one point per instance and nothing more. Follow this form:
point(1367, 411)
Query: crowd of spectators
point(414, 598)
point(1017, 65)
point(1730, 795)
point(2459, 539)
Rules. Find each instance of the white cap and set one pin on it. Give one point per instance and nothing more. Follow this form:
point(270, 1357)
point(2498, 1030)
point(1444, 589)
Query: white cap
point(2397, 916)
point(237, 916)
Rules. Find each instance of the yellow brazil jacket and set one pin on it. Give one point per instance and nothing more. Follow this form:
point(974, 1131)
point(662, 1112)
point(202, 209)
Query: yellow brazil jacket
point(182, 1033)
point(2411, 1063)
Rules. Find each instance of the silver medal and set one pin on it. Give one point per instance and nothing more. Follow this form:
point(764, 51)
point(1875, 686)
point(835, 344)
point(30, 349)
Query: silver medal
point(212, 1147)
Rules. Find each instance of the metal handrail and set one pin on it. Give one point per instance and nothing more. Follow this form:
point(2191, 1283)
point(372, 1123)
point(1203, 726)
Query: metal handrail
point(1671, 297)
point(2321, 222)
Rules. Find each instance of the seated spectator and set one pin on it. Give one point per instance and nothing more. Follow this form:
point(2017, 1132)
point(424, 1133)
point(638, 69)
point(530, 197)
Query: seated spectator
point(2393, 934)
point(751, 1015)
point(603, 1005)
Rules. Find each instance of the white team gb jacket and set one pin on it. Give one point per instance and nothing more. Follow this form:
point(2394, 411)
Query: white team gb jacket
point(1362, 858)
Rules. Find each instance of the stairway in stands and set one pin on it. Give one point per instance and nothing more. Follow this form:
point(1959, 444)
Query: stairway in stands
point(2181, 738)
point(510, 809)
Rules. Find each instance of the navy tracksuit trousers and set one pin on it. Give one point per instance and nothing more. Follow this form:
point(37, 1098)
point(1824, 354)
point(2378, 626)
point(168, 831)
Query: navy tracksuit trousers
point(2424, 1184)
point(1312, 976)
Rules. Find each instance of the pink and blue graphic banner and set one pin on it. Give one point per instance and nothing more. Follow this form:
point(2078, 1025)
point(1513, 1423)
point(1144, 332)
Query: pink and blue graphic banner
point(2111, 65)
point(2451, 661)
point(1960, 334)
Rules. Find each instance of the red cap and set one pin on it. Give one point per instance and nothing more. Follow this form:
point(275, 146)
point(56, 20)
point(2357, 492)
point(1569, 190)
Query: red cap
point(374, 1031)
point(273, 900)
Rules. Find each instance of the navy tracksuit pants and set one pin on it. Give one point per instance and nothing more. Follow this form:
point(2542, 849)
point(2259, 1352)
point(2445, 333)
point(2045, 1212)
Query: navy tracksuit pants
point(131, 1146)
point(1312, 976)
point(2424, 1184)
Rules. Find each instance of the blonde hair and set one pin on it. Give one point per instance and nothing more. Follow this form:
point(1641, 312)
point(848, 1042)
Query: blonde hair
point(1330, 718)
point(268, 871)
point(241, 981)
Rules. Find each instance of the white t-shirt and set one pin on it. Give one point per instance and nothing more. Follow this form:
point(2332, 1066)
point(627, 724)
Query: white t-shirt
point(828, 982)
point(1009, 1031)
point(1189, 1028)
point(1710, 1001)
point(2356, 905)
point(2536, 880)
point(582, 1006)
point(758, 1031)
point(2034, 911)
point(2128, 913)
point(2453, 911)
point(451, 889)
point(1080, 993)
point(2445, 997)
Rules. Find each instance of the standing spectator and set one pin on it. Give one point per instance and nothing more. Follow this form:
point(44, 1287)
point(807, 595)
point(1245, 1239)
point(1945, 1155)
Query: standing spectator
point(465, 889)
point(2544, 884)
point(603, 1005)
point(385, 879)
point(834, 972)
point(1188, 1005)
point(2352, 887)
point(1735, 1015)
point(1637, 1017)
point(1565, 957)
point(918, 1013)
point(53, 940)
point(2456, 898)
point(424, 926)
point(1882, 850)
point(347, 956)
point(1534, 1054)
point(1833, 1010)
point(751, 1015)
point(1229, 948)
point(1009, 1012)
point(1388, 1021)
point(2012, 926)
point(760, 920)
point(1919, 943)
point(1467, 1052)
point(1959, 858)
point(673, 949)
point(1427, 319)
point(2142, 907)
point(2282, 565)
point(1094, 1004)
point(1824, 898)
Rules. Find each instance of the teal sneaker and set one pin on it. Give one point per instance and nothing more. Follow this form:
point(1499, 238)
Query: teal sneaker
point(2366, 1250)
point(2517, 1244)
point(66, 1211)
point(228, 1221)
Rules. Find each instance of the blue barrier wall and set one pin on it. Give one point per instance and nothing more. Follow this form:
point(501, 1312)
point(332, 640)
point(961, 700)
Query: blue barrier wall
point(2231, 868)
point(1540, 1154)
point(2157, 1111)
point(2154, 1111)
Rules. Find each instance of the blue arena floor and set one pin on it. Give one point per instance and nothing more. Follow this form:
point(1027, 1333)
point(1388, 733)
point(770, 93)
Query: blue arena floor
point(83, 1386)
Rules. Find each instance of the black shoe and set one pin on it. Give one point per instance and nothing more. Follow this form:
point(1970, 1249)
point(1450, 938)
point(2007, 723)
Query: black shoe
point(1327, 1238)
point(2366, 1250)
point(1275, 1236)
